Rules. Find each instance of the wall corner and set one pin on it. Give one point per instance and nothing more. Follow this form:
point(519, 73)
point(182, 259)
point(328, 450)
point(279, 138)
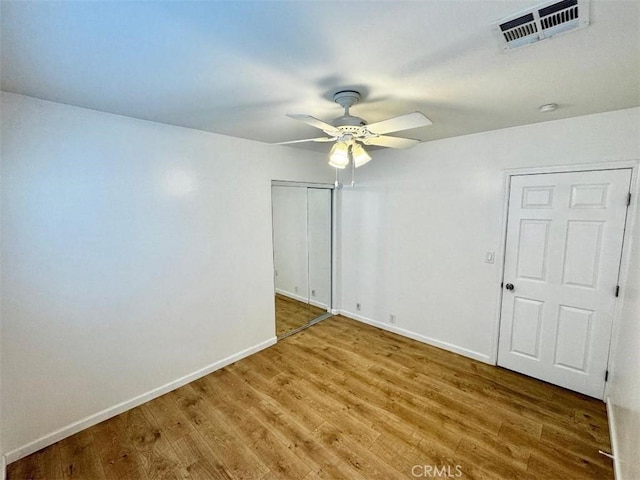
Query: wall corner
point(617, 474)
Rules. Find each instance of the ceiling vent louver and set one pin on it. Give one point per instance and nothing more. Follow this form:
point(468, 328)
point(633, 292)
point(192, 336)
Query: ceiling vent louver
point(542, 22)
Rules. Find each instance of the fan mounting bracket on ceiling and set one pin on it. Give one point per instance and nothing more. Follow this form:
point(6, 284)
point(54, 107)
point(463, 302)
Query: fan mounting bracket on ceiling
point(346, 98)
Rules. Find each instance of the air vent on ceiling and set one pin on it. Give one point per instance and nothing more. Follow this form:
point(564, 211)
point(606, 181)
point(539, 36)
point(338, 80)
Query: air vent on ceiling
point(541, 22)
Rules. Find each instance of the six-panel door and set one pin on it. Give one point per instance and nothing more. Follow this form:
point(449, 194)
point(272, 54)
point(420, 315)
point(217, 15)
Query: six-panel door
point(564, 241)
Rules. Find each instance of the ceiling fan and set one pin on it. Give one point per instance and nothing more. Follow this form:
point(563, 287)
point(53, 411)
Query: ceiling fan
point(350, 132)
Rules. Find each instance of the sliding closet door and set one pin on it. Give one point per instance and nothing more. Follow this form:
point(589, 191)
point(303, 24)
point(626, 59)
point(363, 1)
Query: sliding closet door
point(301, 255)
point(319, 242)
point(290, 258)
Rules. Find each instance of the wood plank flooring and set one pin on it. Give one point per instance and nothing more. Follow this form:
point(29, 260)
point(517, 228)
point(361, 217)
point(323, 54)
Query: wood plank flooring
point(342, 400)
point(292, 314)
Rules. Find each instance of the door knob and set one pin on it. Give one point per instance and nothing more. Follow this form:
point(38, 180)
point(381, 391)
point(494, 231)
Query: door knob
point(509, 286)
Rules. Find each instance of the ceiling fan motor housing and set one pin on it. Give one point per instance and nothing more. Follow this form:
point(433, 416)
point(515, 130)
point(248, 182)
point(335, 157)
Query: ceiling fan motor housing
point(349, 121)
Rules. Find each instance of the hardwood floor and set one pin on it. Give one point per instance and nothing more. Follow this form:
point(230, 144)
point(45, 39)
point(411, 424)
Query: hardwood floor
point(292, 314)
point(342, 400)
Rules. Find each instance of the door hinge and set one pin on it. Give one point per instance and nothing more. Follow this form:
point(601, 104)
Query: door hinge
point(617, 290)
point(629, 199)
point(606, 375)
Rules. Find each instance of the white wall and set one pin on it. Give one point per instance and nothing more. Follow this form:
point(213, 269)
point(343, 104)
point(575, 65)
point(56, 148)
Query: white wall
point(3, 462)
point(624, 373)
point(2, 458)
point(415, 230)
point(133, 254)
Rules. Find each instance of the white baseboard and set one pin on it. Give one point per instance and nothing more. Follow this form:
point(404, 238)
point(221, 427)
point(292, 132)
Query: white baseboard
point(319, 304)
point(420, 338)
point(614, 439)
point(107, 413)
point(295, 296)
point(302, 299)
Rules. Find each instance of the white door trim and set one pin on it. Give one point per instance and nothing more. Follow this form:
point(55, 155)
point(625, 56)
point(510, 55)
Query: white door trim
point(634, 165)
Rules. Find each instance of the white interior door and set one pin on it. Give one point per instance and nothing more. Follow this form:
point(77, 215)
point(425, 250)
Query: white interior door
point(562, 258)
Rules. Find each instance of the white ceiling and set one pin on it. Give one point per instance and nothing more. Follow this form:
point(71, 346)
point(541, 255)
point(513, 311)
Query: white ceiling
point(236, 68)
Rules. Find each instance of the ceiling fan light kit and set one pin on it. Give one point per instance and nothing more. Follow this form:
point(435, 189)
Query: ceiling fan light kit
point(350, 132)
point(339, 155)
point(360, 156)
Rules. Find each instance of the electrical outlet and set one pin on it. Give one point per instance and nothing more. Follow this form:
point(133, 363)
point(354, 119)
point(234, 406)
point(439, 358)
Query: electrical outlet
point(313, 293)
point(357, 306)
point(392, 318)
point(276, 273)
point(296, 289)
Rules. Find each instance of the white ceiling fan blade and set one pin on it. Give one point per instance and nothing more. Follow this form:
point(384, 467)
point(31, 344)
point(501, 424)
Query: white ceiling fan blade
point(402, 122)
point(391, 142)
point(319, 139)
point(314, 122)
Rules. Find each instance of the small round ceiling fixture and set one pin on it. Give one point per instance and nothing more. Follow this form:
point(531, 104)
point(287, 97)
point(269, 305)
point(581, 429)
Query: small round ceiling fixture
point(549, 107)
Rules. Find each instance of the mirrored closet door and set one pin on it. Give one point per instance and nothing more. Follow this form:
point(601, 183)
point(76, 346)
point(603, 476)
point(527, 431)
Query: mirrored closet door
point(301, 254)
